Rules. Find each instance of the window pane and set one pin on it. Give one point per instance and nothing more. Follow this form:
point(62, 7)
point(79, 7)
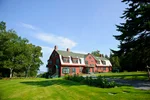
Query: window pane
point(81, 68)
point(86, 62)
point(65, 70)
point(57, 61)
point(98, 62)
point(103, 62)
point(80, 61)
point(73, 70)
point(66, 60)
point(104, 68)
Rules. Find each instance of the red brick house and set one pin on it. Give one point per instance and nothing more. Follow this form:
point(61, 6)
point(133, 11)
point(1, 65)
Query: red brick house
point(67, 62)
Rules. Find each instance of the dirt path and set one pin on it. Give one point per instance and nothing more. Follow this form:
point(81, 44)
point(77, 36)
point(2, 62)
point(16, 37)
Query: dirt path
point(138, 84)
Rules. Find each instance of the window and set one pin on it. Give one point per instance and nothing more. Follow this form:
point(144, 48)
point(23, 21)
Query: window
point(74, 60)
point(65, 70)
point(92, 69)
point(81, 68)
point(73, 70)
point(89, 57)
point(52, 55)
point(50, 62)
point(103, 62)
point(55, 55)
point(86, 62)
point(66, 59)
point(80, 61)
point(104, 68)
point(98, 62)
point(92, 65)
point(57, 61)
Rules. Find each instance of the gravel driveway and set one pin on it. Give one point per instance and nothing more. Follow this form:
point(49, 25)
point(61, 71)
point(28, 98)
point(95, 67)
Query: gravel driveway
point(138, 84)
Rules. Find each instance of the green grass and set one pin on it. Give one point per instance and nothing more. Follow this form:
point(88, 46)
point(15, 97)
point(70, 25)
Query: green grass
point(60, 89)
point(127, 75)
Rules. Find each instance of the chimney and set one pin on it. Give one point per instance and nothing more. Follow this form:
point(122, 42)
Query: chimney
point(68, 50)
point(55, 48)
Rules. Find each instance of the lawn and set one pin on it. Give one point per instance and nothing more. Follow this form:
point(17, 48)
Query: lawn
point(127, 75)
point(60, 89)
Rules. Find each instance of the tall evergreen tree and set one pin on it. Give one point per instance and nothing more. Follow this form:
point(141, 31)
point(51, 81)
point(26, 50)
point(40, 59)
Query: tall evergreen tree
point(135, 34)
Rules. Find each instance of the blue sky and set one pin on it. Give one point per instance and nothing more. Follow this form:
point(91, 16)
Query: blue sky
point(81, 25)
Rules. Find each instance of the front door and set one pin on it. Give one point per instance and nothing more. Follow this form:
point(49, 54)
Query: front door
point(93, 70)
point(87, 70)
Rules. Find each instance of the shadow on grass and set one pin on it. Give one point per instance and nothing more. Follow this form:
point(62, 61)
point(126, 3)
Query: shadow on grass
point(51, 82)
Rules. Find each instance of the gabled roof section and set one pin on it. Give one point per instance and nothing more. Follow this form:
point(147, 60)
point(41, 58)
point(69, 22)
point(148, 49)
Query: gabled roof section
point(72, 54)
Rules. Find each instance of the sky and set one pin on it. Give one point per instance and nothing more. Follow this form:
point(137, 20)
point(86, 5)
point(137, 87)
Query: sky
point(81, 25)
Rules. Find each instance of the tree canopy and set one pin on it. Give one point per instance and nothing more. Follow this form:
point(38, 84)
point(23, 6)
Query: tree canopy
point(17, 53)
point(97, 53)
point(134, 48)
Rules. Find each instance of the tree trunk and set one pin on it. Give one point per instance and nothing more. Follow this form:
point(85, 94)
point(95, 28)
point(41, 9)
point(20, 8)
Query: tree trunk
point(10, 76)
point(148, 69)
point(27, 71)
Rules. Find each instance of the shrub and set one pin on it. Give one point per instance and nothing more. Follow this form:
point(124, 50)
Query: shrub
point(97, 82)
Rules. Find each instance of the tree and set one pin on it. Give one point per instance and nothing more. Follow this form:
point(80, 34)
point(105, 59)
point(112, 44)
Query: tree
point(9, 48)
point(16, 53)
point(96, 53)
point(106, 56)
point(135, 34)
point(36, 61)
point(115, 61)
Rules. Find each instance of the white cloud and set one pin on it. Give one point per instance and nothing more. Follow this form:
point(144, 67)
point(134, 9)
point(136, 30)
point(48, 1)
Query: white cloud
point(62, 42)
point(29, 26)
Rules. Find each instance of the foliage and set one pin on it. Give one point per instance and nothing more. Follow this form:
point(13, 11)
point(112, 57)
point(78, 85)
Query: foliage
point(106, 56)
point(43, 75)
point(115, 61)
point(96, 53)
point(97, 82)
point(17, 54)
point(135, 36)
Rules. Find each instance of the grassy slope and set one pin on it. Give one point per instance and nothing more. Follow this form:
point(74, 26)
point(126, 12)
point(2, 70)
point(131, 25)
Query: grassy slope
point(59, 89)
point(126, 75)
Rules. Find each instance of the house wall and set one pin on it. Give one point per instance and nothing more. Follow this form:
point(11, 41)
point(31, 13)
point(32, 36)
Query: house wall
point(52, 61)
point(92, 61)
point(77, 70)
point(56, 59)
point(101, 68)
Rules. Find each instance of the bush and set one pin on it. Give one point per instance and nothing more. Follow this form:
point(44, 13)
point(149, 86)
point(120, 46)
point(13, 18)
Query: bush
point(97, 82)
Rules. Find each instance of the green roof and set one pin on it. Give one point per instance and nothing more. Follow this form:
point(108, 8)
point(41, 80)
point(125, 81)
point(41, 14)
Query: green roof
point(99, 58)
point(72, 54)
point(75, 55)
